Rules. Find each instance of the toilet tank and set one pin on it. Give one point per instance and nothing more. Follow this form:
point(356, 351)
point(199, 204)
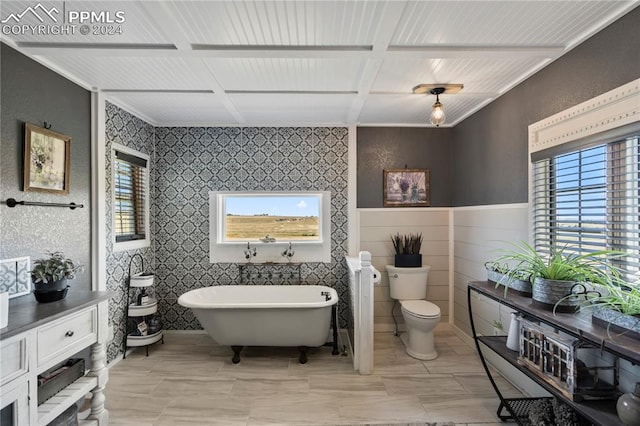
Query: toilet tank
point(408, 283)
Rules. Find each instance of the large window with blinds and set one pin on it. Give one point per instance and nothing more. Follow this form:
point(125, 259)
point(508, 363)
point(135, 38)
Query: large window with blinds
point(587, 199)
point(130, 198)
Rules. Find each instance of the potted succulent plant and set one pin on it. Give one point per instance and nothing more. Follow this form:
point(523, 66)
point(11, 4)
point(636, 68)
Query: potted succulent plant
point(49, 276)
point(407, 248)
point(554, 275)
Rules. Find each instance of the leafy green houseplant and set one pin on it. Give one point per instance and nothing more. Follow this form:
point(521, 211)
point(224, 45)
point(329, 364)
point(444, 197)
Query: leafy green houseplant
point(407, 250)
point(555, 274)
point(616, 307)
point(499, 274)
point(50, 274)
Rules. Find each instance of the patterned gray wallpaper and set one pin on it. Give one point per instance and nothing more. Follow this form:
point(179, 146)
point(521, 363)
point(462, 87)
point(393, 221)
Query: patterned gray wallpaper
point(190, 162)
point(128, 130)
point(32, 93)
point(187, 163)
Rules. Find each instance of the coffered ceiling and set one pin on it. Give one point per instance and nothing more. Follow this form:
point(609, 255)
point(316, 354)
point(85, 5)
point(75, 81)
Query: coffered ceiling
point(282, 63)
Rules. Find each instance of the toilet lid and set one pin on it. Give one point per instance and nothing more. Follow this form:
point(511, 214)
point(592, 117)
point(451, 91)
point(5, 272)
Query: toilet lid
point(421, 308)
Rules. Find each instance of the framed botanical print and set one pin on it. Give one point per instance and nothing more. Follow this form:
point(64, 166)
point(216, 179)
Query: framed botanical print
point(406, 188)
point(47, 160)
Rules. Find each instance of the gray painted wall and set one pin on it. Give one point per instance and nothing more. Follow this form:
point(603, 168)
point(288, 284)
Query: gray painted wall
point(34, 94)
point(490, 147)
point(381, 148)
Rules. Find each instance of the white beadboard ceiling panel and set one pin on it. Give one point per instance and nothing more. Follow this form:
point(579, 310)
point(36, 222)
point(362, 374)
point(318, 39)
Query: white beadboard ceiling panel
point(292, 109)
point(498, 22)
point(138, 26)
point(388, 109)
point(477, 74)
point(288, 23)
point(136, 73)
point(302, 62)
point(264, 74)
point(176, 109)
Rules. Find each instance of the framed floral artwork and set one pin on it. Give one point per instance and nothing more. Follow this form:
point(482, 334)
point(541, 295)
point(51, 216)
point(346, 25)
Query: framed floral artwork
point(47, 160)
point(406, 188)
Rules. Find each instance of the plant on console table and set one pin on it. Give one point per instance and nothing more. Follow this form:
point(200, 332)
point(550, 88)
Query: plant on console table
point(501, 274)
point(407, 248)
point(555, 273)
point(50, 276)
point(616, 306)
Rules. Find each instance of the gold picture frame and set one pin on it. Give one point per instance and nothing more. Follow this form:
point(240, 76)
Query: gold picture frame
point(406, 188)
point(47, 160)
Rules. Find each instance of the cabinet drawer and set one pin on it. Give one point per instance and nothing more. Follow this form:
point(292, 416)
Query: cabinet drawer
point(13, 358)
point(67, 335)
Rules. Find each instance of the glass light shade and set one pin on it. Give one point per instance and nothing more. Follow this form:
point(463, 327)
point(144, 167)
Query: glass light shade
point(437, 114)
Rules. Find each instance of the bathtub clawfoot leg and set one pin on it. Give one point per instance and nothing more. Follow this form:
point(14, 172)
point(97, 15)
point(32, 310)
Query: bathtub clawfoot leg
point(303, 354)
point(236, 354)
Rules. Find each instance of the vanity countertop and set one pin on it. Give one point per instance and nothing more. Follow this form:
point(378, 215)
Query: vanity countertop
point(25, 313)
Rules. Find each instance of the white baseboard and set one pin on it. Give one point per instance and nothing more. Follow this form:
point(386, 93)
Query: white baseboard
point(462, 335)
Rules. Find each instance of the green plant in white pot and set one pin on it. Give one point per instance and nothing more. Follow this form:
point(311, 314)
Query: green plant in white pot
point(555, 274)
point(50, 275)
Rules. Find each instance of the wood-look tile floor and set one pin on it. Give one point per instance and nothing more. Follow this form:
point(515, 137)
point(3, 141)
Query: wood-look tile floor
point(190, 380)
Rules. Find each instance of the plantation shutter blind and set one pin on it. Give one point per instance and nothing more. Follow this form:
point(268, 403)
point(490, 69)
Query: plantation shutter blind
point(588, 200)
point(130, 196)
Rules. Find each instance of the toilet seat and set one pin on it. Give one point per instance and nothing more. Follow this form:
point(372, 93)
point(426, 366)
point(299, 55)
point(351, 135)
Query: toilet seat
point(420, 308)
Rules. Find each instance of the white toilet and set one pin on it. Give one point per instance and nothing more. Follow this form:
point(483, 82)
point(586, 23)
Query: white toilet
point(409, 287)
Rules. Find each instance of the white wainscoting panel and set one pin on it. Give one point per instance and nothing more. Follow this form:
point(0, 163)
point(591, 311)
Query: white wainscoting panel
point(376, 226)
point(478, 232)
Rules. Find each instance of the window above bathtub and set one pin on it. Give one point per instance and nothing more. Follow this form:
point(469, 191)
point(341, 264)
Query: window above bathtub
point(268, 222)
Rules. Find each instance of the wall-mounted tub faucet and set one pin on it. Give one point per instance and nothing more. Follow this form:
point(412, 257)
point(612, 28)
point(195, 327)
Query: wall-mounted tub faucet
point(326, 294)
point(288, 252)
point(248, 253)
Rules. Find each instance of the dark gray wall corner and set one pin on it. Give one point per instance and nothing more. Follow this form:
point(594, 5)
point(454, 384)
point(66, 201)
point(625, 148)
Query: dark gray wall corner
point(382, 148)
point(490, 147)
point(32, 93)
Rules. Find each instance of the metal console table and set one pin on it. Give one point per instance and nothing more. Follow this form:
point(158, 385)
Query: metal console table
point(599, 412)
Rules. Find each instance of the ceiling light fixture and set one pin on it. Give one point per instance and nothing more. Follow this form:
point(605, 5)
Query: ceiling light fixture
point(437, 111)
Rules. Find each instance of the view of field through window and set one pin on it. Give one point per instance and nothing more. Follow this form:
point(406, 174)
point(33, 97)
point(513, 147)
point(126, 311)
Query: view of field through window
point(283, 217)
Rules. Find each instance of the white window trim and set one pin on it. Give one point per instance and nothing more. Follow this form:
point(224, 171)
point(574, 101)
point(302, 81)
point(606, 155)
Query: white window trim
point(305, 251)
point(610, 110)
point(135, 244)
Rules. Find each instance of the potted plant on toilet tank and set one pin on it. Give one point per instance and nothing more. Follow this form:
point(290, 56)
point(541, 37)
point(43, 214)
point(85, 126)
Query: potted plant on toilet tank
point(50, 275)
point(407, 250)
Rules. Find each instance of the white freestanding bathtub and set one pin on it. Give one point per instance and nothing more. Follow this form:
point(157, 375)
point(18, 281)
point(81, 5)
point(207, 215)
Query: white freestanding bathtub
point(264, 315)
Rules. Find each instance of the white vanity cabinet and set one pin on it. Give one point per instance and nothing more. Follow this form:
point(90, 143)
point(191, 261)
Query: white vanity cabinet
point(40, 336)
